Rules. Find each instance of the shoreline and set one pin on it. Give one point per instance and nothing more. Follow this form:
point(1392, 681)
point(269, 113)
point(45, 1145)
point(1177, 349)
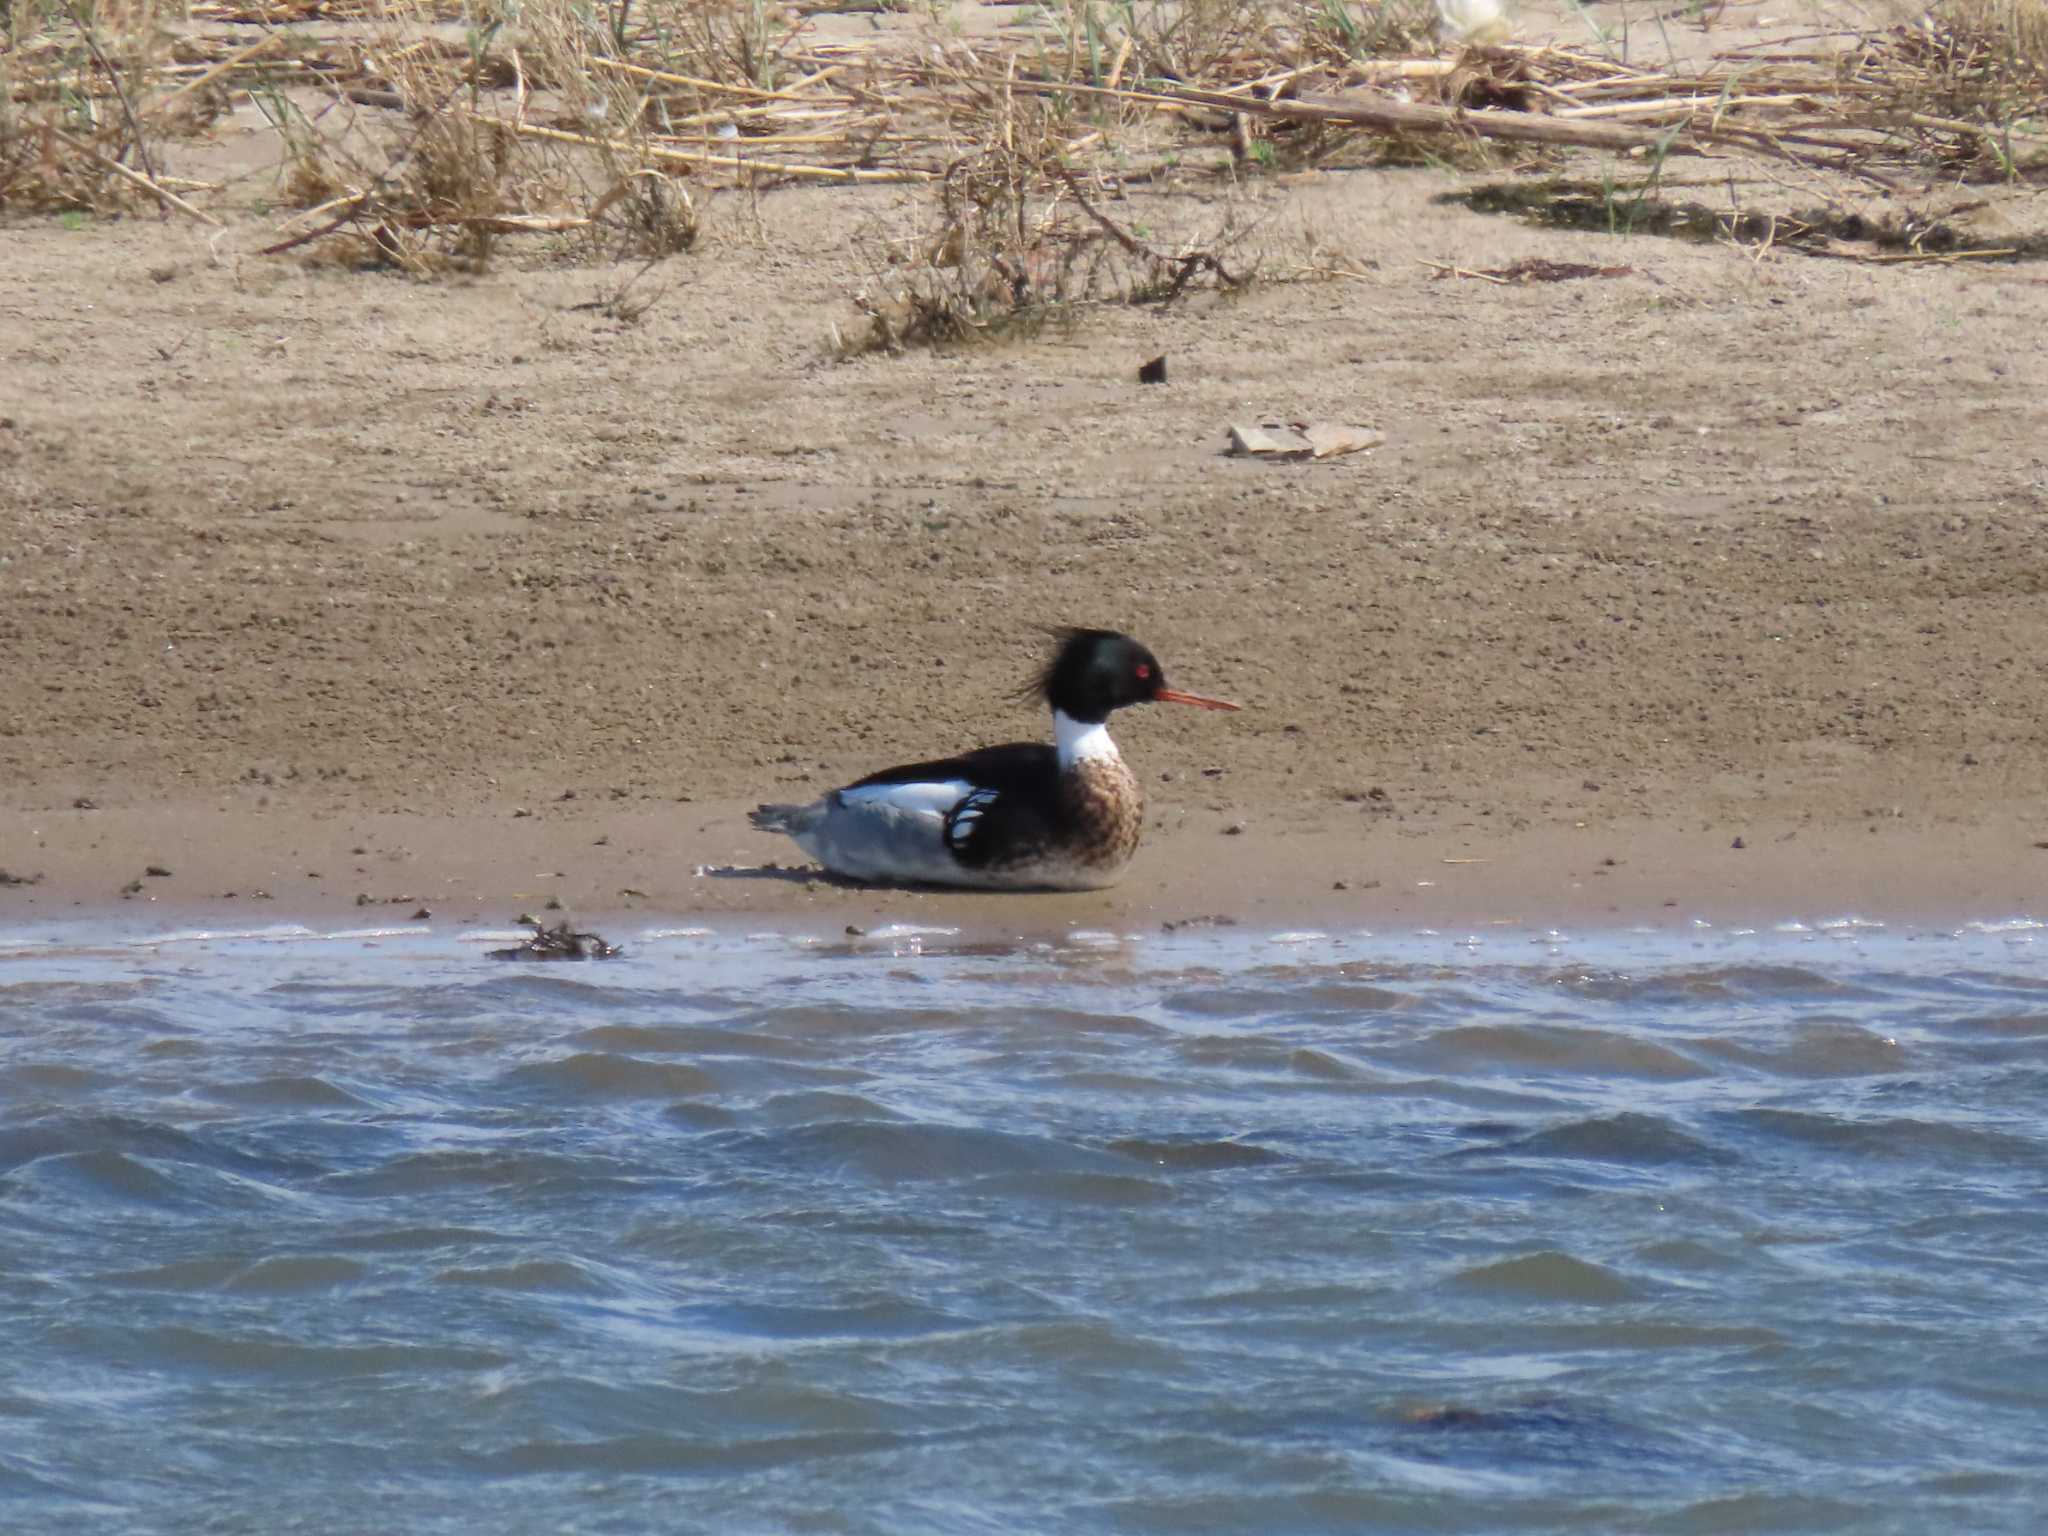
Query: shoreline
point(524, 602)
point(700, 863)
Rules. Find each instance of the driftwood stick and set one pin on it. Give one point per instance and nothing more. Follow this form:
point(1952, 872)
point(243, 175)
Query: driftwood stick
point(128, 173)
point(233, 61)
point(92, 41)
point(496, 223)
point(663, 152)
point(1440, 268)
point(354, 202)
point(1390, 116)
point(1938, 258)
point(664, 77)
point(1384, 114)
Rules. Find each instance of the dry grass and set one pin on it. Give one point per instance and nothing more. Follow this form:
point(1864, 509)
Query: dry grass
point(440, 173)
point(2016, 29)
point(84, 98)
point(1015, 238)
point(1206, 42)
point(1966, 87)
point(409, 141)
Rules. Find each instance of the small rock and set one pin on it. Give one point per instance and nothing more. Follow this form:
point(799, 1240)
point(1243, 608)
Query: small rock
point(157, 872)
point(85, 803)
point(521, 812)
point(855, 931)
point(554, 904)
point(1340, 885)
point(1235, 829)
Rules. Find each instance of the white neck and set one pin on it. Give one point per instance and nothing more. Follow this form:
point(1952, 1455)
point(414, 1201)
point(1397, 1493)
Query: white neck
point(1080, 742)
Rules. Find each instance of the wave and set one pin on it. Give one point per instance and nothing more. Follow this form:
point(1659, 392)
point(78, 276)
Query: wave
point(1198, 1229)
point(1638, 1139)
point(1549, 1276)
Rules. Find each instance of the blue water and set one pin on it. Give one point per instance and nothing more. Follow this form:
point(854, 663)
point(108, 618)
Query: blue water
point(1698, 1231)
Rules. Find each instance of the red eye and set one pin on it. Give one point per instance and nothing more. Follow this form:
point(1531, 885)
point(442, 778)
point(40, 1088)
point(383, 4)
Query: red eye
point(1144, 672)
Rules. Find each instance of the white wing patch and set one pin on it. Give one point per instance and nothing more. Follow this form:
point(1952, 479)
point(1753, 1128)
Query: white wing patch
point(933, 797)
point(966, 818)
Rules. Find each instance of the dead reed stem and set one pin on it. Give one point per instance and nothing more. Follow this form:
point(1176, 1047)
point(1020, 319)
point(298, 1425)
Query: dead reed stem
point(599, 109)
point(670, 155)
point(136, 178)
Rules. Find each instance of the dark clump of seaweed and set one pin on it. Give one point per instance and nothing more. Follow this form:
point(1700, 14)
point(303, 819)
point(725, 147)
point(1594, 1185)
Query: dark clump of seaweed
point(1556, 203)
point(560, 942)
point(1584, 205)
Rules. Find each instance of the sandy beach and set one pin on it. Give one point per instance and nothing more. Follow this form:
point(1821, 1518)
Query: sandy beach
point(1709, 590)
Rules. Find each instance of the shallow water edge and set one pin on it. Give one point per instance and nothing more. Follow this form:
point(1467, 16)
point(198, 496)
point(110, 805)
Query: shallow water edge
point(1290, 866)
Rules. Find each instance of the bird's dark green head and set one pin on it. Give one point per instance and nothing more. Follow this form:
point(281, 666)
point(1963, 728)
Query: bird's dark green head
point(1098, 671)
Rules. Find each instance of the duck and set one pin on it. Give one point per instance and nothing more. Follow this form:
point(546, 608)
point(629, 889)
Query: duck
point(1064, 815)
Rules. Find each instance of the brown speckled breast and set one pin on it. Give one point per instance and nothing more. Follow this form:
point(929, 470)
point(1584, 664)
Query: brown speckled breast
point(1103, 813)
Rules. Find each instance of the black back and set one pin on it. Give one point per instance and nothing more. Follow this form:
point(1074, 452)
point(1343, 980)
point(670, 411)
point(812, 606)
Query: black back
point(1011, 810)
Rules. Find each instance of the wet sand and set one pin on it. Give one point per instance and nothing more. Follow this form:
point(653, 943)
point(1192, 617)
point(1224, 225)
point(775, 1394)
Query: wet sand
point(606, 861)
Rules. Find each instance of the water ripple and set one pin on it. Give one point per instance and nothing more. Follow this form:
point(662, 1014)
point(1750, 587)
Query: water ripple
point(1547, 1276)
point(1525, 1047)
point(1100, 1233)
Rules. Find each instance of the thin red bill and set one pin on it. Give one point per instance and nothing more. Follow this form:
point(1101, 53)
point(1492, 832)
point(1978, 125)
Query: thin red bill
point(1175, 696)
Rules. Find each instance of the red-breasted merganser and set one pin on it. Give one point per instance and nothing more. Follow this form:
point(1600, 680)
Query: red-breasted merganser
point(1018, 817)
